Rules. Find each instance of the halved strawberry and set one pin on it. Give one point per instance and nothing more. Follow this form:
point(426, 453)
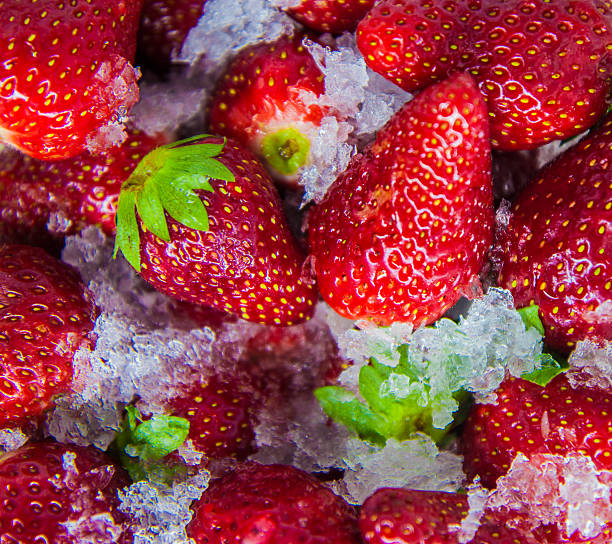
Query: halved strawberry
point(544, 67)
point(267, 101)
point(46, 315)
point(330, 15)
point(81, 191)
point(404, 231)
point(201, 221)
point(65, 72)
point(556, 250)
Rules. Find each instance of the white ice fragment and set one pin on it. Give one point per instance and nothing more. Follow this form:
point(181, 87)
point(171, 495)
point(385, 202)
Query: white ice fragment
point(164, 107)
point(553, 489)
point(92, 529)
point(591, 365)
point(221, 32)
point(12, 439)
point(412, 464)
point(285, 4)
point(190, 454)
point(107, 136)
point(477, 501)
point(160, 512)
point(474, 354)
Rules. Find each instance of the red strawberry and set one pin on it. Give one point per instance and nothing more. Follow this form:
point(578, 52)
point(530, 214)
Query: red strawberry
point(65, 72)
point(556, 251)
point(61, 493)
point(402, 233)
point(330, 15)
point(544, 67)
point(164, 25)
point(220, 417)
point(45, 316)
point(83, 190)
point(274, 504)
point(407, 516)
point(266, 100)
point(211, 231)
point(530, 419)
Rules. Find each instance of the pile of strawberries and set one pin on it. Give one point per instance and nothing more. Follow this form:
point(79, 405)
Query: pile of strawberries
point(400, 236)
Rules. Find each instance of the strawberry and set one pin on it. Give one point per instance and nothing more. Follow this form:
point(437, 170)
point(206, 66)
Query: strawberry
point(59, 493)
point(530, 419)
point(330, 15)
point(272, 503)
point(82, 190)
point(164, 25)
point(209, 229)
point(403, 232)
point(407, 516)
point(220, 417)
point(555, 252)
point(45, 317)
point(543, 67)
point(65, 72)
point(266, 100)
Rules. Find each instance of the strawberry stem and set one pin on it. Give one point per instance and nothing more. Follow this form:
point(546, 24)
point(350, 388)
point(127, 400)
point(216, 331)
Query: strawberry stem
point(286, 150)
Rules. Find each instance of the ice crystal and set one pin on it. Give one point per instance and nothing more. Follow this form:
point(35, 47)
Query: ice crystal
point(591, 365)
point(12, 439)
point(412, 464)
point(477, 502)
point(160, 512)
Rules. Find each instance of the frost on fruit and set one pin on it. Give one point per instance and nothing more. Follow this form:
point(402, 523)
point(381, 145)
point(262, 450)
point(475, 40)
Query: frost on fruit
point(160, 512)
point(591, 365)
point(11, 439)
point(477, 500)
point(412, 464)
point(360, 102)
point(566, 490)
point(222, 32)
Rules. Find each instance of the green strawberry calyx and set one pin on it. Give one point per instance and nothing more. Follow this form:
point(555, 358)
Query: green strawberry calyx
point(142, 444)
point(413, 390)
point(286, 150)
point(165, 181)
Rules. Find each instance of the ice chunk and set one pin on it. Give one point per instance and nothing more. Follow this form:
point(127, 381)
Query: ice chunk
point(477, 501)
point(285, 4)
point(12, 439)
point(362, 100)
point(222, 32)
point(568, 491)
point(474, 354)
point(190, 454)
point(413, 464)
point(591, 365)
point(160, 512)
point(164, 107)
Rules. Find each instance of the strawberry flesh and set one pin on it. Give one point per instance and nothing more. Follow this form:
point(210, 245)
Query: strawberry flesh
point(544, 67)
point(556, 250)
point(404, 231)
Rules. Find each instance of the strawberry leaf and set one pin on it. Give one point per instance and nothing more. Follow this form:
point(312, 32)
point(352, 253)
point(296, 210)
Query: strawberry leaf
point(151, 211)
point(549, 369)
point(165, 181)
point(531, 318)
point(128, 236)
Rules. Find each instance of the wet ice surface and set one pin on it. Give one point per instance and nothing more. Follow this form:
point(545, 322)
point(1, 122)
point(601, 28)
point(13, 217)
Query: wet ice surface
point(161, 512)
point(591, 365)
point(12, 439)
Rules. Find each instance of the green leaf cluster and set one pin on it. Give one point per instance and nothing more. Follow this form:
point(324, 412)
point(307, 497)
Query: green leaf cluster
point(165, 181)
point(143, 443)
